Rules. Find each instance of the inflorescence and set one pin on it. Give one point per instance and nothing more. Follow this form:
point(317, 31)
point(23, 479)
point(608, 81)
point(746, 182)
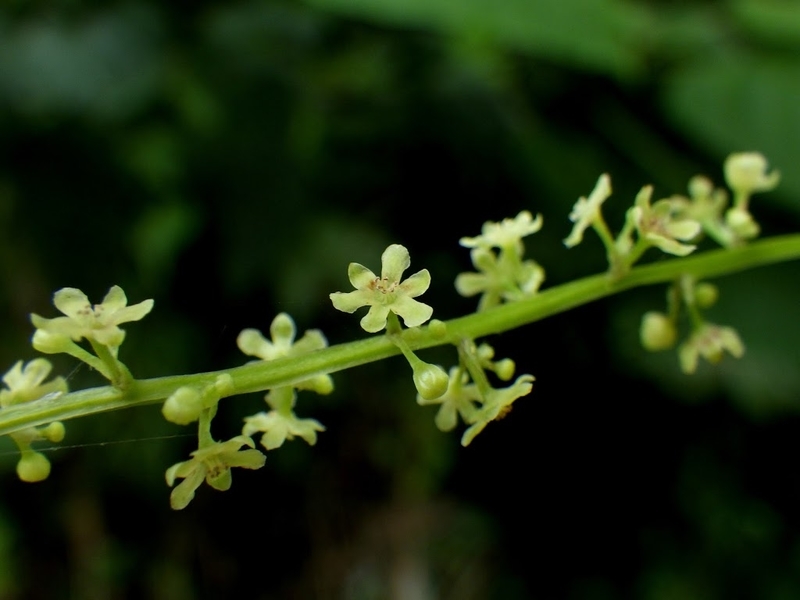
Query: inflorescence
point(465, 392)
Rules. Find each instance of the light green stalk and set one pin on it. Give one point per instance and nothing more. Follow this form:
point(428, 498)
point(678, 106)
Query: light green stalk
point(264, 375)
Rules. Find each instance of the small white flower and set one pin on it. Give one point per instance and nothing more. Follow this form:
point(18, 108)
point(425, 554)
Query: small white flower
point(386, 293)
point(212, 464)
point(507, 234)
point(99, 323)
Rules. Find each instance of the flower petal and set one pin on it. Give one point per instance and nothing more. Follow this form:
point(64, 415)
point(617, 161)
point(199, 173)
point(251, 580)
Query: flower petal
point(417, 284)
point(283, 331)
point(394, 261)
point(253, 343)
point(184, 492)
point(375, 319)
point(135, 312)
point(414, 313)
point(351, 301)
point(360, 276)
point(115, 299)
point(71, 302)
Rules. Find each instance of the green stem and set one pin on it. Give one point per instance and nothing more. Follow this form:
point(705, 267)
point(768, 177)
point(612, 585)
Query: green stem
point(261, 376)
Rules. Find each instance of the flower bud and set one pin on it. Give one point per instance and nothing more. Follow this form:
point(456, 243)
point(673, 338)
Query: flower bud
point(437, 328)
point(431, 381)
point(742, 223)
point(706, 294)
point(33, 467)
point(504, 369)
point(54, 432)
point(183, 406)
point(700, 187)
point(657, 332)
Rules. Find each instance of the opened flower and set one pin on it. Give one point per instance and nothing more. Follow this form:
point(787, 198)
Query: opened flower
point(212, 464)
point(586, 211)
point(99, 323)
point(26, 383)
point(507, 234)
point(253, 343)
point(746, 173)
point(281, 424)
point(662, 224)
point(711, 342)
point(497, 405)
point(386, 293)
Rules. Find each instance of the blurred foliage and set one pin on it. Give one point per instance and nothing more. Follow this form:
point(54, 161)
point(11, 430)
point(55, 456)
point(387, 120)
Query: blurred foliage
point(230, 158)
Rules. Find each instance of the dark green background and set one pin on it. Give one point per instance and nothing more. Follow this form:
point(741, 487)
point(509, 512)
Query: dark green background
point(228, 159)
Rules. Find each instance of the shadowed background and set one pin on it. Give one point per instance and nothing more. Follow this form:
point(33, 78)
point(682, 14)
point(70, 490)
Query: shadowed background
point(229, 159)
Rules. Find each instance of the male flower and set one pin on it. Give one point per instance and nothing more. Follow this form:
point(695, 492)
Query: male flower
point(586, 211)
point(26, 383)
point(281, 424)
point(507, 234)
point(496, 405)
point(283, 331)
point(99, 323)
point(212, 463)
point(386, 293)
point(662, 224)
point(709, 341)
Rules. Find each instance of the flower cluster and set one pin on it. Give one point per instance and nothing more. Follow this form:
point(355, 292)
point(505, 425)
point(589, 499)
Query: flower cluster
point(497, 254)
point(281, 423)
point(25, 384)
point(659, 331)
point(674, 224)
point(470, 396)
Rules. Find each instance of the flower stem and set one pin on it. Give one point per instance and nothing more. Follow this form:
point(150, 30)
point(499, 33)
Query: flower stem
point(261, 376)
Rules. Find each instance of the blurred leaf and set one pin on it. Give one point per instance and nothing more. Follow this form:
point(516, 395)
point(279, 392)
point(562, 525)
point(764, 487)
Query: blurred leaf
point(772, 21)
point(600, 35)
point(106, 66)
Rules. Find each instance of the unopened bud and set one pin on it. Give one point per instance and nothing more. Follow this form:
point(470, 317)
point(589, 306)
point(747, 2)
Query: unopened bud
point(657, 332)
point(431, 381)
point(183, 406)
point(33, 467)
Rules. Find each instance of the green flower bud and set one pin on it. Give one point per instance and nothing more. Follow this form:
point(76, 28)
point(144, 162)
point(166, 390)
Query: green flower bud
point(700, 187)
point(504, 369)
point(706, 294)
point(431, 381)
point(183, 406)
point(437, 328)
point(657, 331)
point(54, 432)
point(33, 467)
